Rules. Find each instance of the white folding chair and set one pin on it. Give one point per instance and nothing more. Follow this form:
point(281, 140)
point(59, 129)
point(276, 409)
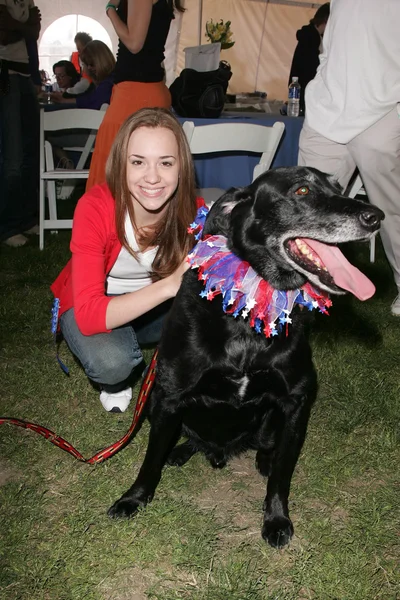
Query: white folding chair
point(357, 189)
point(234, 137)
point(84, 152)
point(82, 118)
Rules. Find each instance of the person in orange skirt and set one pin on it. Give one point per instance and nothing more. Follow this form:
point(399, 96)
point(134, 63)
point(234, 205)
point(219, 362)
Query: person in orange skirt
point(142, 27)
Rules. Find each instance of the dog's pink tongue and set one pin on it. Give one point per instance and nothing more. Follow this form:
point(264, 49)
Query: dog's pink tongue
point(343, 273)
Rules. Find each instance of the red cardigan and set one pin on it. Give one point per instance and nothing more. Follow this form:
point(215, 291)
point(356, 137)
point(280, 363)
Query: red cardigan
point(95, 248)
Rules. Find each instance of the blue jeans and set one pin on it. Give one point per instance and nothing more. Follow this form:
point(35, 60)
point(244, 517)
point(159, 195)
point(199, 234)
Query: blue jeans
point(111, 360)
point(19, 126)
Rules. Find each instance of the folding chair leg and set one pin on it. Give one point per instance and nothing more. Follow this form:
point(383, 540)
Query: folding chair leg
point(52, 199)
point(41, 214)
point(372, 245)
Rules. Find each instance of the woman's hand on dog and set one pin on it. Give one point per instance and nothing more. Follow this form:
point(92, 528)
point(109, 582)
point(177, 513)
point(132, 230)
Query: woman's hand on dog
point(174, 281)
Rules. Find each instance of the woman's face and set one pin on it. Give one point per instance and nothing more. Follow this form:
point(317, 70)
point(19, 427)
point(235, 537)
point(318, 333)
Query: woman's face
point(63, 80)
point(152, 172)
point(90, 70)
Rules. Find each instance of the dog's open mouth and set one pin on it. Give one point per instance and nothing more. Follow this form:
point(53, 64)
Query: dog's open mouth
point(330, 266)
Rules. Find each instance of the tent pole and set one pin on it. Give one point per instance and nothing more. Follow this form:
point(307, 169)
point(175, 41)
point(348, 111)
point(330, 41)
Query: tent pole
point(200, 19)
point(261, 44)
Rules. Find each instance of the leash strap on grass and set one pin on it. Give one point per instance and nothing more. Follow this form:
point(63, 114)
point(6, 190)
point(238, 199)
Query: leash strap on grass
point(102, 455)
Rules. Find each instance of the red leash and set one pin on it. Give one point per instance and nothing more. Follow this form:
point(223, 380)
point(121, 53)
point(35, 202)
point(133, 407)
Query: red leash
point(101, 456)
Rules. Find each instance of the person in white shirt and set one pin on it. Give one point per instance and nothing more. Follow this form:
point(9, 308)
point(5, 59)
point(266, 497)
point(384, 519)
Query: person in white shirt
point(19, 122)
point(352, 119)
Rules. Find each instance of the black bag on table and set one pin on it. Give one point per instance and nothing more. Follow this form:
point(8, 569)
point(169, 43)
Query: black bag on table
point(200, 94)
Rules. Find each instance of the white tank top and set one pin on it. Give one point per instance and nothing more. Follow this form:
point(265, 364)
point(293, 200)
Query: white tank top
point(129, 274)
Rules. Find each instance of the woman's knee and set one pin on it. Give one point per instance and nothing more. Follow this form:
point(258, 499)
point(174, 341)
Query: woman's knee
point(111, 365)
point(106, 357)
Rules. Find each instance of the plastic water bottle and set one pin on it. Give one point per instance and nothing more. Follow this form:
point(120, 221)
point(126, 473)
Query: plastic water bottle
point(293, 109)
point(49, 89)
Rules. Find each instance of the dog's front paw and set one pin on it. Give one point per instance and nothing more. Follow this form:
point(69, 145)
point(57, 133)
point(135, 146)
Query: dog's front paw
point(277, 531)
point(124, 508)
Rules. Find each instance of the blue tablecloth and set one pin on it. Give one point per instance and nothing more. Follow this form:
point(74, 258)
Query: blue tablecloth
point(225, 170)
point(54, 106)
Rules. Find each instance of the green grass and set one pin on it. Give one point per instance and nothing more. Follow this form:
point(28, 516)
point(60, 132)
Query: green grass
point(200, 538)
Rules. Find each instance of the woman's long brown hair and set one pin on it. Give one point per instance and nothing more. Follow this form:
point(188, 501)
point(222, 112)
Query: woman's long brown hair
point(170, 233)
point(96, 54)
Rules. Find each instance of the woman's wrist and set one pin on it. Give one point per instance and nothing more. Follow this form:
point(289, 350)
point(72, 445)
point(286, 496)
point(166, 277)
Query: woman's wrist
point(110, 5)
point(167, 289)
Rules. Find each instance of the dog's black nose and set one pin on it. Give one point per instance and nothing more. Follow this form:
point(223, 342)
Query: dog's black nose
point(371, 218)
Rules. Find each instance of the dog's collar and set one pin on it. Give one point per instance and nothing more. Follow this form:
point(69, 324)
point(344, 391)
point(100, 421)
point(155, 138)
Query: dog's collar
point(244, 293)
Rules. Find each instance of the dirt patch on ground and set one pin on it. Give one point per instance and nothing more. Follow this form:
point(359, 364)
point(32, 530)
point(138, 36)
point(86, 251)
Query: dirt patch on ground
point(136, 584)
point(369, 482)
point(8, 473)
point(238, 496)
point(132, 586)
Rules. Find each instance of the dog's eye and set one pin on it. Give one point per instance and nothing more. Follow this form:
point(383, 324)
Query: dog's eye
point(303, 191)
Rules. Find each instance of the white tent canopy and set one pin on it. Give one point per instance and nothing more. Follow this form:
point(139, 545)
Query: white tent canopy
point(264, 32)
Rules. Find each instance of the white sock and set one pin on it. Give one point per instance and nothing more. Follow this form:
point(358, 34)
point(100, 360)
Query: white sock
point(117, 402)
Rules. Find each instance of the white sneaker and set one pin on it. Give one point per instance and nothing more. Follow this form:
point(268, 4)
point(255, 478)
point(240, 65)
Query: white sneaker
point(395, 308)
point(15, 241)
point(118, 402)
point(33, 230)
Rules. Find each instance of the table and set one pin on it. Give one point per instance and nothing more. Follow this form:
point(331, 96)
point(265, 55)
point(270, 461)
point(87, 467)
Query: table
point(53, 106)
point(225, 170)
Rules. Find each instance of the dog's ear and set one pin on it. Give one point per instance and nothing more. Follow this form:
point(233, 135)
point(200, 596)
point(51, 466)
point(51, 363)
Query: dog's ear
point(334, 182)
point(266, 191)
point(218, 219)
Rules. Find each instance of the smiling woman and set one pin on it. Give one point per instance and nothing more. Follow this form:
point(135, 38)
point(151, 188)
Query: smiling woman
point(152, 173)
point(129, 247)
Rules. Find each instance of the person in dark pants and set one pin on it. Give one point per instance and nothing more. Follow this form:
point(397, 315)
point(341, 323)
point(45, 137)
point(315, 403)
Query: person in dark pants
point(19, 122)
point(306, 55)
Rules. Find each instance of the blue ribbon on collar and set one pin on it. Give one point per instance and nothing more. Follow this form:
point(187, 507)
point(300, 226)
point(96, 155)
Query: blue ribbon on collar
point(54, 326)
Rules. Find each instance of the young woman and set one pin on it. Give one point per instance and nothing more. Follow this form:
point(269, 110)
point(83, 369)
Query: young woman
point(129, 246)
point(142, 27)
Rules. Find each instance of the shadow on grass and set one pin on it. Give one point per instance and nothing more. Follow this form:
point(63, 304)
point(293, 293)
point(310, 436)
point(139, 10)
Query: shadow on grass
point(346, 322)
point(349, 317)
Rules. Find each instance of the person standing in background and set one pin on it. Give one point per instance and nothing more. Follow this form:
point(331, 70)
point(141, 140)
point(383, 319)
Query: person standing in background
point(19, 122)
point(306, 55)
point(142, 27)
point(33, 55)
point(81, 40)
point(353, 112)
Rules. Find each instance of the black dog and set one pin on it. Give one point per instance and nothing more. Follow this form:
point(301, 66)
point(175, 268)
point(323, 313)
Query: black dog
point(228, 388)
